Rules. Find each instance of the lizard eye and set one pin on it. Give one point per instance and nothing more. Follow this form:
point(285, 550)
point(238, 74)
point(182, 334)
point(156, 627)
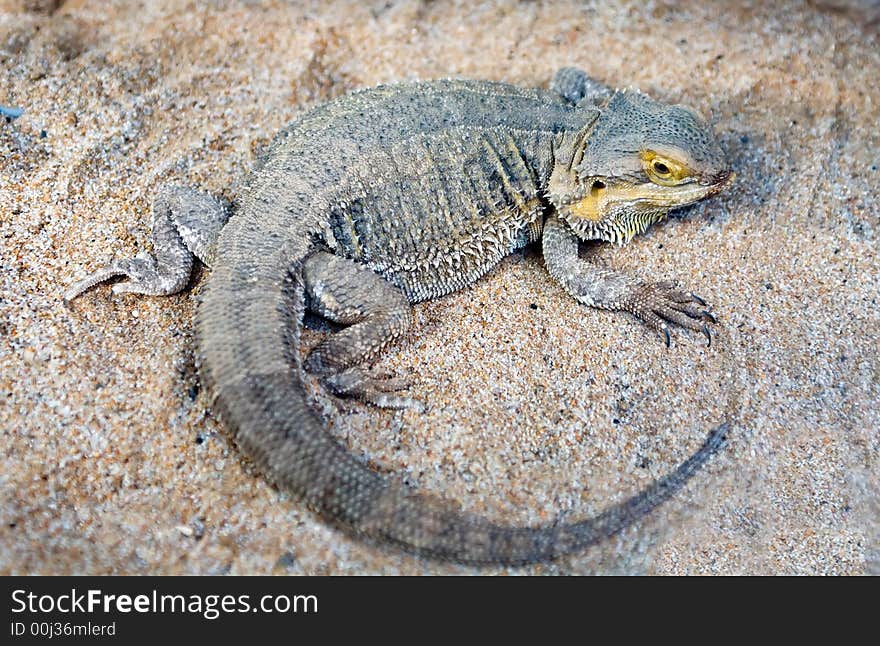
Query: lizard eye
point(663, 170)
point(660, 168)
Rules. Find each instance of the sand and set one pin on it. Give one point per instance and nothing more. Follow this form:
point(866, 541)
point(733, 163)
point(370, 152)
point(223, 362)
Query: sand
point(539, 409)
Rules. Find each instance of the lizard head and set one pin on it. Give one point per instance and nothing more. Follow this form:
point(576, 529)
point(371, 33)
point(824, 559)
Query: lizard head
point(633, 163)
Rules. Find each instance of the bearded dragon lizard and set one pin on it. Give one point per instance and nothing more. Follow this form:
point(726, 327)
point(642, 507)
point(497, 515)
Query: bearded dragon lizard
point(395, 195)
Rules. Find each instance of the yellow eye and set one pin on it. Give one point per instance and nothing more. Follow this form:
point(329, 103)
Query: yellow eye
point(660, 168)
point(664, 170)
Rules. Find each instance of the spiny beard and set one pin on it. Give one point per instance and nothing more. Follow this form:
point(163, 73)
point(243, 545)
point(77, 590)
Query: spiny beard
point(618, 228)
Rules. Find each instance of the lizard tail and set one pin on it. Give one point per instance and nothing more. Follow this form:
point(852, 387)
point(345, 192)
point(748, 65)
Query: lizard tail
point(248, 334)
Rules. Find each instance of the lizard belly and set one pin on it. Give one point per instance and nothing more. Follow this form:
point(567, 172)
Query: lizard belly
point(449, 265)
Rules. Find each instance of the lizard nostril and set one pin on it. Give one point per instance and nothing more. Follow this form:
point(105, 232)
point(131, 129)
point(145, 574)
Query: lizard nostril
point(714, 179)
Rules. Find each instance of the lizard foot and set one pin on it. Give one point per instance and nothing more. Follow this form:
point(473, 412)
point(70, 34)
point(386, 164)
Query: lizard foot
point(145, 276)
point(378, 389)
point(186, 224)
point(659, 304)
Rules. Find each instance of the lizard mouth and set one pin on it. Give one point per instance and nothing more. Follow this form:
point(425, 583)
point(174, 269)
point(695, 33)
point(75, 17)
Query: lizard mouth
point(684, 194)
point(602, 197)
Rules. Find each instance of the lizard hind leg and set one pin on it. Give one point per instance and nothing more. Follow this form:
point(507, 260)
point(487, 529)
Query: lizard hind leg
point(186, 224)
point(375, 313)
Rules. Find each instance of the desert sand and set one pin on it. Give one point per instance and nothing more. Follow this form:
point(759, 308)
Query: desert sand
point(540, 409)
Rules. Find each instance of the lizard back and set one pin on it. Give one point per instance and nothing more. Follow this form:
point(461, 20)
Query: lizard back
point(428, 184)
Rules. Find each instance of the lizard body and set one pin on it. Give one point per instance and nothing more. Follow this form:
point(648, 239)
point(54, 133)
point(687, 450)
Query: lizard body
point(398, 194)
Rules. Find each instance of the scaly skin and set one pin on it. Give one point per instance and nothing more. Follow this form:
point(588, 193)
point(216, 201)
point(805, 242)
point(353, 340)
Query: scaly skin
point(399, 194)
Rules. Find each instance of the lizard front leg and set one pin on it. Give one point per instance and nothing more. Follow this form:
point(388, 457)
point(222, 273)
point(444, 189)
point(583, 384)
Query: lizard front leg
point(186, 224)
point(375, 311)
point(657, 304)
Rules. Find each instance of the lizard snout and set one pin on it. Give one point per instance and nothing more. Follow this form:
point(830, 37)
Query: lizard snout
point(718, 181)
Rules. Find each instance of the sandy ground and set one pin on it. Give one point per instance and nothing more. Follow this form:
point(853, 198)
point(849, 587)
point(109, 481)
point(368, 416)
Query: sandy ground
point(540, 409)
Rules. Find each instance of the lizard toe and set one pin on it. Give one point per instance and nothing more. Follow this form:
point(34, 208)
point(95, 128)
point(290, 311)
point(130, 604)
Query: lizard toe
point(379, 389)
point(392, 401)
point(95, 278)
